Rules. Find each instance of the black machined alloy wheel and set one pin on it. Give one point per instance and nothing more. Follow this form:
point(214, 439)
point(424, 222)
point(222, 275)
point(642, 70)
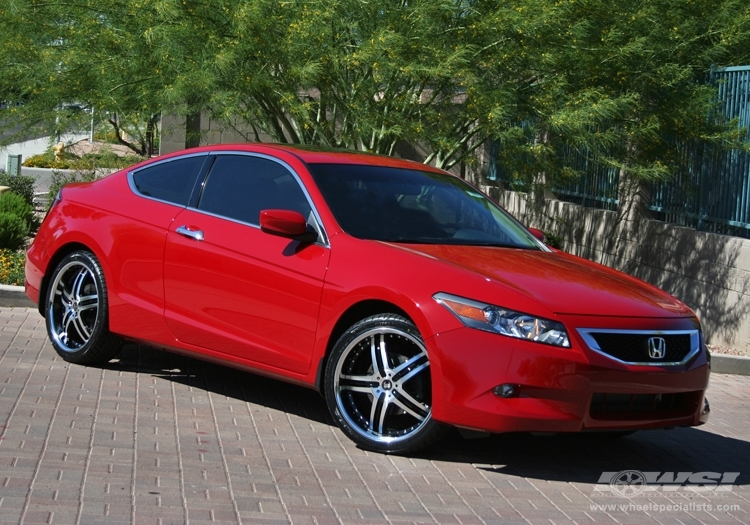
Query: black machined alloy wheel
point(378, 386)
point(76, 311)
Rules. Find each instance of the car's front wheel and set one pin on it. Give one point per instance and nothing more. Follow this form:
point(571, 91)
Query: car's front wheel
point(76, 311)
point(378, 386)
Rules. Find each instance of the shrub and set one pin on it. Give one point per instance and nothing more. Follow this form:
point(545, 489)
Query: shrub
point(12, 267)
point(16, 205)
point(44, 160)
point(103, 159)
point(553, 240)
point(22, 185)
point(13, 231)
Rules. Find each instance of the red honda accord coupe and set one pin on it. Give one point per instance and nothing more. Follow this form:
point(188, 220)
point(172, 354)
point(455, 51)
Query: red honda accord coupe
point(410, 300)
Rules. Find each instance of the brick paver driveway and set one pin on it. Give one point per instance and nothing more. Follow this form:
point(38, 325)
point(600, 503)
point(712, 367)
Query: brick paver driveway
point(158, 438)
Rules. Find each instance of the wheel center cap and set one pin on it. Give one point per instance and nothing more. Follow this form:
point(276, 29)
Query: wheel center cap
point(387, 384)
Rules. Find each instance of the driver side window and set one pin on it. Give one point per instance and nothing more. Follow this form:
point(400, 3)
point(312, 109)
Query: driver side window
point(240, 186)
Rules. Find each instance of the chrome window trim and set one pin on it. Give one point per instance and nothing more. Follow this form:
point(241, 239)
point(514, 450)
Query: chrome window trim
point(136, 191)
point(321, 230)
point(695, 343)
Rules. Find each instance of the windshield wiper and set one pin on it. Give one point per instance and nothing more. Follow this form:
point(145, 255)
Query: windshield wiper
point(491, 244)
point(455, 242)
point(409, 240)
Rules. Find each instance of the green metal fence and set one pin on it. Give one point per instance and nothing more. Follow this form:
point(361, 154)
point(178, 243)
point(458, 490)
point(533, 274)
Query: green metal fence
point(596, 187)
point(712, 190)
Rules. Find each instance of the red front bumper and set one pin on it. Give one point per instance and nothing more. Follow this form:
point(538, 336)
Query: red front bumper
point(558, 389)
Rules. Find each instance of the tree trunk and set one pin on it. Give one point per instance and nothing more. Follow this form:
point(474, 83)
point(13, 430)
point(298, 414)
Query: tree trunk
point(150, 137)
point(193, 130)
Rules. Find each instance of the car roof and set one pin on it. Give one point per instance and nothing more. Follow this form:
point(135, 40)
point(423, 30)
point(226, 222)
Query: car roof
point(317, 155)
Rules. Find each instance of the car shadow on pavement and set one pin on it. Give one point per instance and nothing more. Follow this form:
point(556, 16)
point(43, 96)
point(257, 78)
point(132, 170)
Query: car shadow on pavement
point(222, 380)
point(574, 458)
point(582, 458)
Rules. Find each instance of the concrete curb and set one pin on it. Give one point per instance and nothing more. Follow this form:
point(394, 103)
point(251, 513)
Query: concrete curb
point(730, 364)
point(14, 296)
point(720, 363)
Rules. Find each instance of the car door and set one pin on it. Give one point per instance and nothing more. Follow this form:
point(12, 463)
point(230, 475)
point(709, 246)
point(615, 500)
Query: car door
point(234, 289)
point(138, 223)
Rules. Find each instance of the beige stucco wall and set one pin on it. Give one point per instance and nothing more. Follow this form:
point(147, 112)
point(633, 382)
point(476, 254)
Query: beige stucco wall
point(709, 272)
point(212, 132)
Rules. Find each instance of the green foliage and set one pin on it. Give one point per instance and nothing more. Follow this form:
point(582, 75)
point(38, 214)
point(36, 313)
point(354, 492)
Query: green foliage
point(60, 179)
point(371, 74)
point(619, 83)
point(613, 81)
point(12, 266)
point(89, 161)
point(13, 231)
point(15, 204)
point(21, 185)
point(553, 240)
point(17, 220)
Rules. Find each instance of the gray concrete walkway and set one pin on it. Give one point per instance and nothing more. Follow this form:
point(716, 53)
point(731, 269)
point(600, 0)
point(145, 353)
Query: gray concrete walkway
point(154, 438)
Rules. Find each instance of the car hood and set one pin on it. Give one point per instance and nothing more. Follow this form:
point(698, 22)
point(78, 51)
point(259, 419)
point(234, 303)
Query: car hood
point(561, 282)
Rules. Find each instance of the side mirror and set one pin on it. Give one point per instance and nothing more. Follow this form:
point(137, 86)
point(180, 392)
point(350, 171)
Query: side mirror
point(539, 234)
point(287, 223)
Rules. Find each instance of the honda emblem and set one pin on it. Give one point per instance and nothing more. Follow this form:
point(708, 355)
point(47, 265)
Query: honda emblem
point(657, 347)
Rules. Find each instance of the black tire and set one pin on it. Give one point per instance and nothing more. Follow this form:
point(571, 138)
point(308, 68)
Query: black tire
point(76, 311)
point(378, 386)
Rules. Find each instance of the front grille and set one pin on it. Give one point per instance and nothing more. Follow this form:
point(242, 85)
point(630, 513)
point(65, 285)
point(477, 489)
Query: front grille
point(633, 348)
point(644, 347)
point(644, 406)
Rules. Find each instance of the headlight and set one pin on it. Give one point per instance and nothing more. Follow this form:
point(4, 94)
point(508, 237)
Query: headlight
point(490, 318)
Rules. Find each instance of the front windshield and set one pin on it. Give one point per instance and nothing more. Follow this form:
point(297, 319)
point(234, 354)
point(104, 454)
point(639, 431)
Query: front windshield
point(412, 206)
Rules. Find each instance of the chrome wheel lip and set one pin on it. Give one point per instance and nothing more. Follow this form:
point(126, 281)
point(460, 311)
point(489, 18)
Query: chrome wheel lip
point(66, 305)
point(387, 389)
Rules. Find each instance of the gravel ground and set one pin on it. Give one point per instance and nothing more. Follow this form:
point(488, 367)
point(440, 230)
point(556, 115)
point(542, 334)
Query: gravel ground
point(726, 350)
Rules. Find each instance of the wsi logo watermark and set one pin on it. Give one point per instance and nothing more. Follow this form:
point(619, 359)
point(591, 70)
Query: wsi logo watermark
point(629, 483)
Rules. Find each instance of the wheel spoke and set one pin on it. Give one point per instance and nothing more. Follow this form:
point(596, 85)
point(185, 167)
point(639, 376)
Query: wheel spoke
point(378, 413)
point(64, 326)
point(358, 383)
point(61, 291)
point(410, 405)
point(67, 319)
point(414, 372)
point(88, 302)
point(81, 328)
point(78, 283)
point(379, 355)
point(403, 373)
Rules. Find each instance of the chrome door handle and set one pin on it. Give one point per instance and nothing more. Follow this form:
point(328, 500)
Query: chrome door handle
point(193, 234)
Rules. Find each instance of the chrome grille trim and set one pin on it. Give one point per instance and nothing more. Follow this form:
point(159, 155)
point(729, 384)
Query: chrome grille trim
point(695, 343)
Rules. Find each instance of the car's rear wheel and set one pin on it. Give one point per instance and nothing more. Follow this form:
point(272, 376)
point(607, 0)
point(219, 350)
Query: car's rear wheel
point(378, 386)
point(76, 311)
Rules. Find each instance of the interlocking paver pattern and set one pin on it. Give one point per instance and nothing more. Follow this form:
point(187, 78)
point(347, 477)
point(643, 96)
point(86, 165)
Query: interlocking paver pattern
point(155, 438)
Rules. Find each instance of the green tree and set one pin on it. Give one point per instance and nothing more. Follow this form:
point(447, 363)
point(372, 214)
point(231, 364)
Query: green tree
point(614, 81)
point(351, 74)
point(621, 83)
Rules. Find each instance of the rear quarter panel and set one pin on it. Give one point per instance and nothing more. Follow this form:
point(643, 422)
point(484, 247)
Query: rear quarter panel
point(127, 234)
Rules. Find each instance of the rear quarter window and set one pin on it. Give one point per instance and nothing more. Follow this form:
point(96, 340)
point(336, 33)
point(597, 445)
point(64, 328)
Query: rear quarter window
point(171, 181)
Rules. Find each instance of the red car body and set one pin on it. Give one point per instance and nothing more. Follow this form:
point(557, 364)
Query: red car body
point(277, 306)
